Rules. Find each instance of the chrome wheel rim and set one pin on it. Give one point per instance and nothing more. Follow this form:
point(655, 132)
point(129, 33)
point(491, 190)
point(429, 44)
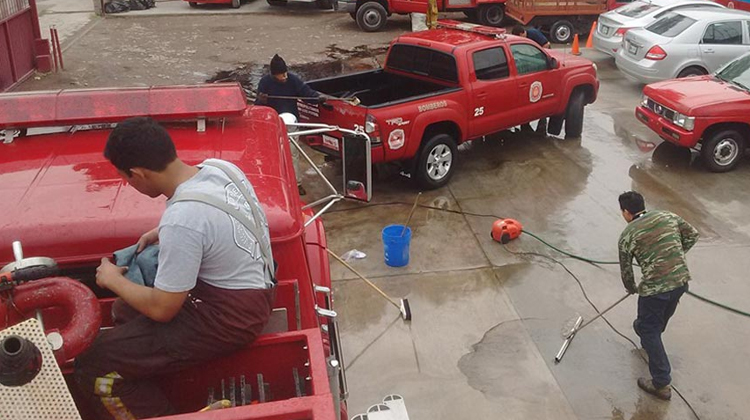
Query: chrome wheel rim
point(562, 33)
point(439, 162)
point(372, 18)
point(726, 151)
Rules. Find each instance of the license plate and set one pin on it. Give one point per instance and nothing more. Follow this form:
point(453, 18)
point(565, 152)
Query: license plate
point(331, 142)
point(633, 49)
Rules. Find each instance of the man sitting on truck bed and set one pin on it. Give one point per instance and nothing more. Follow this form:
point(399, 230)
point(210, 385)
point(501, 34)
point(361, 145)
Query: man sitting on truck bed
point(214, 287)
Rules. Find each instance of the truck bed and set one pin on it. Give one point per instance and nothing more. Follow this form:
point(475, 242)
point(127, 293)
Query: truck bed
point(378, 88)
point(556, 7)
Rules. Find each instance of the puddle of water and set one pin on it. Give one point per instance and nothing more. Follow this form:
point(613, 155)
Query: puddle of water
point(338, 61)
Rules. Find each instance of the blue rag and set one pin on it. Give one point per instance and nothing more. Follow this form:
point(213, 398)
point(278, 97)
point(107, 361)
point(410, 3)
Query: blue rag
point(141, 266)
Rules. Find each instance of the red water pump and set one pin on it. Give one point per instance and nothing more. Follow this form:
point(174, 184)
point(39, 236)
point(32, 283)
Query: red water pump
point(505, 230)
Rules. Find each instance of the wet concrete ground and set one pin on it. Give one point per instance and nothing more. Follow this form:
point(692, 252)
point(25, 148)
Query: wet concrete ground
point(487, 322)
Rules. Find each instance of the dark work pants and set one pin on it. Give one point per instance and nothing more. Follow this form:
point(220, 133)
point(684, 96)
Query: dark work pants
point(118, 373)
point(653, 315)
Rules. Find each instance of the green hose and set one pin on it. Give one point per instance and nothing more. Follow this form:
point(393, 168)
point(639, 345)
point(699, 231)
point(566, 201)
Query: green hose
point(591, 261)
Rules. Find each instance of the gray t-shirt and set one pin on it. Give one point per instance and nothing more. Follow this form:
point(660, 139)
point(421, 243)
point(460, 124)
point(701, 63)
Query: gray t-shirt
point(200, 242)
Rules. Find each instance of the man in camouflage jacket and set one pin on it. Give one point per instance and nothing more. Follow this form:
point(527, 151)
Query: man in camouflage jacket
point(658, 240)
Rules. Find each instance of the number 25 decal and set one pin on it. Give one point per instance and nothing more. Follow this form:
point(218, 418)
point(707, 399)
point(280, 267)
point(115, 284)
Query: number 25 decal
point(478, 111)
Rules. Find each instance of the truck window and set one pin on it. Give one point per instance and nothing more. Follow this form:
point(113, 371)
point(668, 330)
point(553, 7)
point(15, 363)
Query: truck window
point(491, 64)
point(528, 59)
point(725, 33)
point(671, 25)
point(423, 61)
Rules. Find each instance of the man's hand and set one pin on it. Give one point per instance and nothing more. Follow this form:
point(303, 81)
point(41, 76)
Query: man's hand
point(262, 98)
point(108, 273)
point(148, 238)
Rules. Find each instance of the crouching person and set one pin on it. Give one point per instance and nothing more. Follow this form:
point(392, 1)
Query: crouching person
point(214, 286)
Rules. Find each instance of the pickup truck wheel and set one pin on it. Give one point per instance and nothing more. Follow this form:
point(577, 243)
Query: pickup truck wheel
point(723, 150)
point(562, 32)
point(574, 115)
point(436, 161)
point(492, 14)
point(371, 16)
point(236, 4)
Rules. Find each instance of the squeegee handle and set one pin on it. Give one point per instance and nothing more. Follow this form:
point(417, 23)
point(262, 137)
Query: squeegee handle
point(599, 315)
point(371, 284)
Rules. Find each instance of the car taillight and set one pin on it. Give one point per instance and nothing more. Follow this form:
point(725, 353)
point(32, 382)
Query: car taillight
point(372, 128)
point(656, 53)
point(621, 31)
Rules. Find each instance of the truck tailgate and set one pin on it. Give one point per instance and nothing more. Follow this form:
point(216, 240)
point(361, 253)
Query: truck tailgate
point(335, 112)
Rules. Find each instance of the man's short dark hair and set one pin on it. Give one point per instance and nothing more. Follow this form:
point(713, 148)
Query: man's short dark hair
point(518, 30)
point(140, 142)
point(632, 201)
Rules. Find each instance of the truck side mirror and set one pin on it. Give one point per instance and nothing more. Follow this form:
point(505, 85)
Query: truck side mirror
point(357, 161)
point(553, 63)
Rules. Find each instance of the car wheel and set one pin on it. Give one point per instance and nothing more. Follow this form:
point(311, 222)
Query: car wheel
point(193, 4)
point(692, 71)
point(562, 32)
point(492, 14)
point(721, 151)
point(436, 161)
point(371, 16)
point(236, 4)
point(574, 114)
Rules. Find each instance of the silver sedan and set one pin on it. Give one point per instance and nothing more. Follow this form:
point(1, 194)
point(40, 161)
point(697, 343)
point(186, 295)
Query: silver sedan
point(614, 24)
point(685, 43)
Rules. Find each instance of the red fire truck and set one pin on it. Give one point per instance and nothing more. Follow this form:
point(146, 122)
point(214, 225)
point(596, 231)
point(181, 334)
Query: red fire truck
point(64, 201)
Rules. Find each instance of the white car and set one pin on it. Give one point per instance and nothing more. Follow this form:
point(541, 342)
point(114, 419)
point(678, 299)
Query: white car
point(612, 25)
point(685, 43)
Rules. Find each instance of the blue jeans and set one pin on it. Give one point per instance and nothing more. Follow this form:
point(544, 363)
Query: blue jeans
point(653, 314)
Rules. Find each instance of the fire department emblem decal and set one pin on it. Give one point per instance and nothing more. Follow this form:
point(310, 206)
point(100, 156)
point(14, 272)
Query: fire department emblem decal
point(535, 92)
point(396, 139)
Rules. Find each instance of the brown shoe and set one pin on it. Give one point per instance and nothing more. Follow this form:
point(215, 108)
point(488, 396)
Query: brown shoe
point(301, 189)
point(664, 393)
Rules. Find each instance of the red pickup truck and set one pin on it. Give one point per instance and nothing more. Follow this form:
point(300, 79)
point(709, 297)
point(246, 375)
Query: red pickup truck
point(371, 15)
point(63, 200)
point(710, 112)
point(443, 87)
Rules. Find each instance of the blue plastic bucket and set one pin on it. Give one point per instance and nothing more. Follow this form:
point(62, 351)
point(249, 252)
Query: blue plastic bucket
point(395, 246)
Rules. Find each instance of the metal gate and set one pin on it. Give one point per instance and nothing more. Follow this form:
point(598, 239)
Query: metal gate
point(19, 39)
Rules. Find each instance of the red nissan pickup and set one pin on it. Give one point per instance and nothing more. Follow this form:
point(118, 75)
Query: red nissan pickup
point(710, 113)
point(443, 87)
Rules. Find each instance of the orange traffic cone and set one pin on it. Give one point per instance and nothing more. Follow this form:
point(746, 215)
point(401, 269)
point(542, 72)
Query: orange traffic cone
point(576, 47)
point(590, 41)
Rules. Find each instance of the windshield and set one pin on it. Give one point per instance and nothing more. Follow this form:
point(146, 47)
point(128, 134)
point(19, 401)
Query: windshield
point(737, 73)
point(636, 9)
point(671, 25)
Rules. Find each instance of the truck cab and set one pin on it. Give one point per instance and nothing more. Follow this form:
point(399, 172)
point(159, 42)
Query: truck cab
point(65, 202)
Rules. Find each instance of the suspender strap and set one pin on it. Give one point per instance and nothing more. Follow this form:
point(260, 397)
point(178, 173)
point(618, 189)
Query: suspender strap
point(255, 229)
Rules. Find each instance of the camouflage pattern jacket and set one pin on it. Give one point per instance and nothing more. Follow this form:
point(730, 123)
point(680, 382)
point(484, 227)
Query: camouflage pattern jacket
point(658, 240)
